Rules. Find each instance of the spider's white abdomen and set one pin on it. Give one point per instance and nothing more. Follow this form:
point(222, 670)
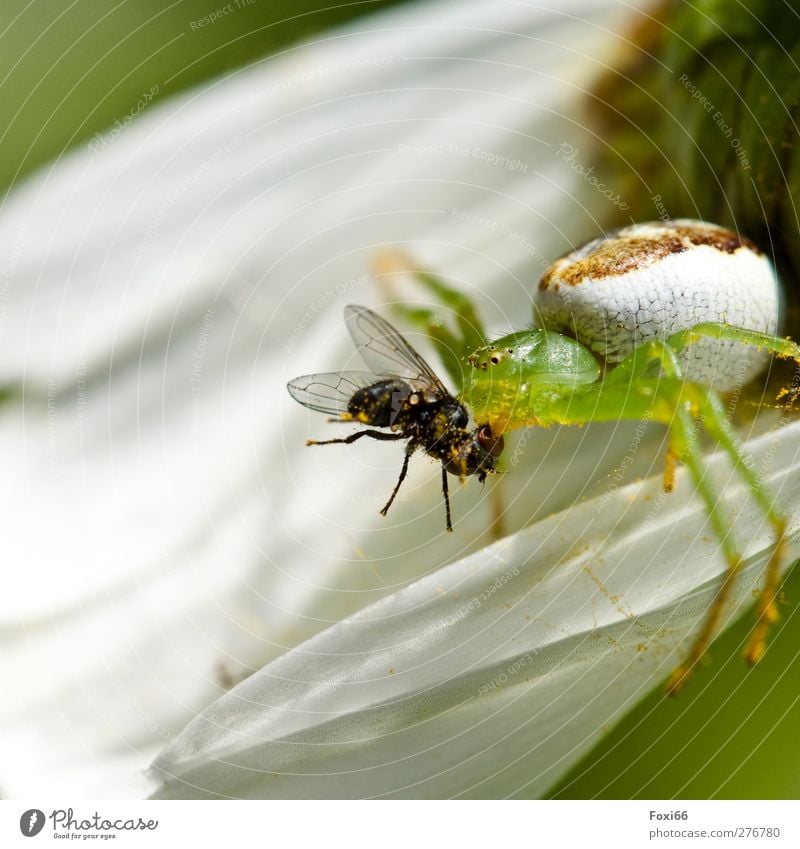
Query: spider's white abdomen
point(650, 280)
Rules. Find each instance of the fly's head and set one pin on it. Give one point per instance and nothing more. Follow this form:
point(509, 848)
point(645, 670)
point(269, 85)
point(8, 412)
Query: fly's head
point(477, 453)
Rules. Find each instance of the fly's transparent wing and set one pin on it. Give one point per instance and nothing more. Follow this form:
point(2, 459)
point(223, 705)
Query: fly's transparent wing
point(329, 393)
point(387, 353)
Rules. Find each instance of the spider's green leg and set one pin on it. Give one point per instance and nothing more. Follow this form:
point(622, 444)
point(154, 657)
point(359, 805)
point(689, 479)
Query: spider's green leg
point(684, 446)
point(452, 345)
point(718, 426)
point(777, 345)
point(465, 314)
point(667, 398)
point(449, 346)
point(685, 436)
point(650, 357)
point(645, 361)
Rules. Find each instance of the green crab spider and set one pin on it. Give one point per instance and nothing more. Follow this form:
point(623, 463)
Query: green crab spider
point(543, 377)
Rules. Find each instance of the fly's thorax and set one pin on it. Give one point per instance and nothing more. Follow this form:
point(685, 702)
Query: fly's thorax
point(381, 403)
point(434, 424)
point(505, 378)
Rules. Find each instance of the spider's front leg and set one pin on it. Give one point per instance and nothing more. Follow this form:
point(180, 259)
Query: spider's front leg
point(717, 424)
point(707, 407)
point(677, 403)
point(711, 414)
point(649, 385)
point(778, 346)
point(452, 322)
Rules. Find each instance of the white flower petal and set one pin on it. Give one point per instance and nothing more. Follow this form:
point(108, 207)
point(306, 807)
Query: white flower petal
point(492, 676)
point(163, 519)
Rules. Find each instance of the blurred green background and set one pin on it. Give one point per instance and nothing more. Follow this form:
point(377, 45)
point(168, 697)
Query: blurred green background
point(70, 71)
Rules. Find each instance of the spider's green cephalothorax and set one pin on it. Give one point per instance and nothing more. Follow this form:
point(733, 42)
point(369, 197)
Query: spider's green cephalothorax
point(506, 380)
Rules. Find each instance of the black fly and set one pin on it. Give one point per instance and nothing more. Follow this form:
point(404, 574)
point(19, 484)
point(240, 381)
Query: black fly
point(400, 393)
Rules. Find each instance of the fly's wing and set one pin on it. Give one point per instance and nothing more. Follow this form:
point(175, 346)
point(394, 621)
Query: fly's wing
point(329, 393)
point(388, 354)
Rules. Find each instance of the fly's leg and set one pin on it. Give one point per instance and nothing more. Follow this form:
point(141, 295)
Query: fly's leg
point(346, 440)
point(497, 528)
point(446, 494)
point(453, 339)
point(384, 437)
point(403, 473)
